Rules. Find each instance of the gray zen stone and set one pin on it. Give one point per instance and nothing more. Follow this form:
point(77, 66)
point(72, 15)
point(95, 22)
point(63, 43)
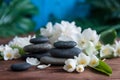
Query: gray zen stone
point(20, 66)
point(38, 47)
point(38, 40)
point(38, 56)
point(52, 60)
point(65, 53)
point(65, 44)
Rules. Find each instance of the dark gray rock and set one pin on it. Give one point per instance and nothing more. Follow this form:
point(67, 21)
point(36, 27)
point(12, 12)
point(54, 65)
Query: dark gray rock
point(20, 66)
point(65, 53)
point(52, 60)
point(65, 44)
point(38, 47)
point(38, 56)
point(40, 39)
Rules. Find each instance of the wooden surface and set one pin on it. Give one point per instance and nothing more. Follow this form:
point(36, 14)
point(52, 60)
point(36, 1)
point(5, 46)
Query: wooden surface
point(57, 73)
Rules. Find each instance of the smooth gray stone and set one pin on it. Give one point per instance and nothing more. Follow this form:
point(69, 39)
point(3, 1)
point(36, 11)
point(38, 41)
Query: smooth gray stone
point(65, 44)
point(40, 39)
point(20, 66)
point(38, 47)
point(53, 60)
point(65, 53)
point(38, 56)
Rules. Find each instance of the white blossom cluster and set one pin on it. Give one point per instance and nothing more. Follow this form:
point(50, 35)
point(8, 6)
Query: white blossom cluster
point(80, 62)
point(8, 52)
point(87, 40)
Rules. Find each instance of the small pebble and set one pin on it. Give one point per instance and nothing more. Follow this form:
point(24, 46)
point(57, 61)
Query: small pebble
point(65, 44)
point(20, 66)
point(38, 40)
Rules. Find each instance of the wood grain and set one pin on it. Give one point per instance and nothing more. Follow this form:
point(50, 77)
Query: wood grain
point(57, 73)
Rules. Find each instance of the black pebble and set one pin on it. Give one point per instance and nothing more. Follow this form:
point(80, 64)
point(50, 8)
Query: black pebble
point(20, 66)
point(65, 44)
point(65, 53)
point(40, 39)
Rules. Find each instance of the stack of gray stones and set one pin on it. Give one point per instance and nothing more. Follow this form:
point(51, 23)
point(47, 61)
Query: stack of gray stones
point(62, 50)
point(38, 48)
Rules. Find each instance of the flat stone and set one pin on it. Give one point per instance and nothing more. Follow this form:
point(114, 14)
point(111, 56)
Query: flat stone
point(65, 44)
point(38, 56)
point(40, 39)
point(38, 47)
point(52, 60)
point(20, 66)
point(65, 53)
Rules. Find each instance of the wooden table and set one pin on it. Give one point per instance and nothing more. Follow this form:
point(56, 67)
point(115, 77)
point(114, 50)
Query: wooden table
point(57, 73)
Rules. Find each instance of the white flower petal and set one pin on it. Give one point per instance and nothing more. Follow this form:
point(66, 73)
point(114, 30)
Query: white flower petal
point(106, 51)
point(83, 59)
point(43, 66)
point(20, 41)
point(91, 35)
point(70, 65)
point(79, 68)
point(117, 49)
point(94, 61)
point(61, 31)
point(90, 49)
point(32, 61)
point(8, 53)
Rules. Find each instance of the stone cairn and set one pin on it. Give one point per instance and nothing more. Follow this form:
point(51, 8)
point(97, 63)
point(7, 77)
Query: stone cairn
point(42, 49)
point(38, 48)
point(62, 51)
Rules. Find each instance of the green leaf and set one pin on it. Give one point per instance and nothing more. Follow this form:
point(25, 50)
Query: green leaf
point(104, 68)
point(16, 17)
point(108, 37)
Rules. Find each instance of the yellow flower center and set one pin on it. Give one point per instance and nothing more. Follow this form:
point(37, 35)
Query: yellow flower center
point(9, 55)
point(79, 69)
point(93, 62)
point(69, 66)
point(83, 61)
point(106, 51)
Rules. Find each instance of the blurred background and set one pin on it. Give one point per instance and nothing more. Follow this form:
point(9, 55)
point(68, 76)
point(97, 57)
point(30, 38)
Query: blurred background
point(20, 17)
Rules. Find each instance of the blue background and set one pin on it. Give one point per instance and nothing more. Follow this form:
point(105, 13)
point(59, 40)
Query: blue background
point(60, 9)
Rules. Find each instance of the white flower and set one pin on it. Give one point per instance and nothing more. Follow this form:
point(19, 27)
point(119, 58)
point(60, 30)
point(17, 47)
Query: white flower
point(94, 61)
point(70, 65)
point(20, 41)
point(48, 31)
point(8, 53)
point(82, 59)
point(90, 49)
point(81, 41)
point(117, 49)
point(106, 50)
point(63, 31)
point(91, 35)
point(79, 68)
point(1, 48)
point(32, 61)
point(43, 66)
